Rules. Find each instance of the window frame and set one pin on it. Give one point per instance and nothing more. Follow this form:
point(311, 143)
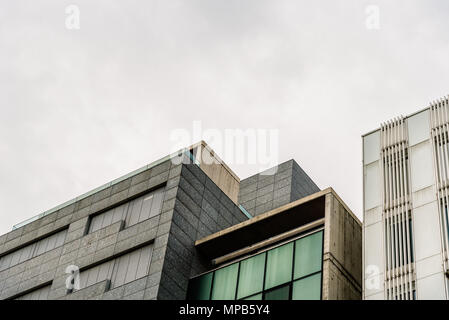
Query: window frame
point(118, 204)
point(265, 251)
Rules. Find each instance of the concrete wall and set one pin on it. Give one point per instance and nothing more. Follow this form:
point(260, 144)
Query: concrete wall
point(342, 255)
point(217, 170)
point(201, 208)
point(193, 207)
point(87, 250)
point(273, 188)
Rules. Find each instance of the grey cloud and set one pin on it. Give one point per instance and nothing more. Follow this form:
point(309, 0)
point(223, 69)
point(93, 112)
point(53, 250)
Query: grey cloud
point(80, 108)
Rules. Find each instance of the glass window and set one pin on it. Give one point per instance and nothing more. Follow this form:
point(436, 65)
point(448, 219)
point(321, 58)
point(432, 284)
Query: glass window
point(268, 275)
point(371, 147)
point(225, 283)
point(33, 250)
point(133, 212)
point(308, 255)
point(251, 276)
point(307, 288)
point(421, 165)
point(418, 128)
point(38, 294)
point(281, 293)
point(373, 185)
point(199, 288)
point(279, 266)
point(121, 270)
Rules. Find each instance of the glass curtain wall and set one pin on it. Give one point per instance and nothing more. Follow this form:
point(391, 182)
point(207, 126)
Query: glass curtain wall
point(292, 271)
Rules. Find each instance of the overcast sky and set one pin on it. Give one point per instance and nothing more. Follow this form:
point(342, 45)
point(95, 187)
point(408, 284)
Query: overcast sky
point(80, 107)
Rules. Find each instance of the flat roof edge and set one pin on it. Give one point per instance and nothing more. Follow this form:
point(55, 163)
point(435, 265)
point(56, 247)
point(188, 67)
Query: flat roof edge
point(263, 216)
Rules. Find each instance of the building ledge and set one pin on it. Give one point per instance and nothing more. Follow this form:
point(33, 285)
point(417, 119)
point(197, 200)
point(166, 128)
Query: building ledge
point(267, 225)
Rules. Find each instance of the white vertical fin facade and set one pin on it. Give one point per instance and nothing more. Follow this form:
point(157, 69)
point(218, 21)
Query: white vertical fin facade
point(399, 273)
point(406, 206)
point(439, 121)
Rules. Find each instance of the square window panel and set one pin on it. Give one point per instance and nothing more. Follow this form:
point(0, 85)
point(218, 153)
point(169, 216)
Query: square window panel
point(373, 187)
point(225, 283)
point(279, 266)
point(282, 293)
point(199, 288)
point(371, 147)
point(421, 166)
point(308, 255)
point(251, 276)
point(307, 288)
point(418, 127)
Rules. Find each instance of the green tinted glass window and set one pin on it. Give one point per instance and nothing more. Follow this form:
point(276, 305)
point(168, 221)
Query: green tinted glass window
point(225, 283)
point(281, 293)
point(251, 276)
point(199, 288)
point(307, 288)
point(308, 255)
point(279, 265)
point(254, 297)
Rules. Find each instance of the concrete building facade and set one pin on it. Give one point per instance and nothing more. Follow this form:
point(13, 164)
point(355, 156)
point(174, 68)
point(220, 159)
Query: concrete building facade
point(308, 249)
point(406, 175)
point(142, 236)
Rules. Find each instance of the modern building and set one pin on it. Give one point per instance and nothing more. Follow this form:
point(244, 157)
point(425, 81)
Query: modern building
point(178, 229)
point(406, 195)
point(308, 249)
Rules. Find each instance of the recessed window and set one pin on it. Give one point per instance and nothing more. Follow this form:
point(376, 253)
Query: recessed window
point(225, 283)
point(279, 266)
point(119, 271)
point(33, 250)
point(38, 294)
point(251, 276)
point(132, 212)
point(290, 271)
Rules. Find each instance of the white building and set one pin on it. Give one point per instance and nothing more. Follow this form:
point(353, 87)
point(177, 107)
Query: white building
point(406, 196)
